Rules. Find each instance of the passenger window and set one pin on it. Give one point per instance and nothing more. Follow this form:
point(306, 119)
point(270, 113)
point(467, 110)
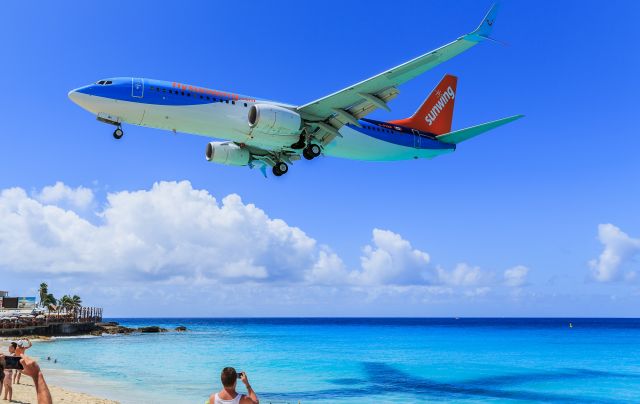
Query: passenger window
point(188, 94)
point(233, 102)
point(245, 104)
point(227, 101)
point(182, 92)
point(201, 97)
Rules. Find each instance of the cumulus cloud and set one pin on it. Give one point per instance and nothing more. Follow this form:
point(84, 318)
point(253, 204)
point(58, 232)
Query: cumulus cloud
point(173, 234)
point(391, 260)
point(619, 249)
point(169, 231)
point(464, 275)
point(60, 193)
point(516, 277)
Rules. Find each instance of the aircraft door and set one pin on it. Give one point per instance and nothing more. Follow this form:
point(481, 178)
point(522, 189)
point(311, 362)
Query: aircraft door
point(416, 138)
point(137, 88)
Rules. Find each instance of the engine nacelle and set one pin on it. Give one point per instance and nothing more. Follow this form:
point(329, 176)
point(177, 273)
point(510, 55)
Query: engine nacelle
point(274, 119)
point(227, 153)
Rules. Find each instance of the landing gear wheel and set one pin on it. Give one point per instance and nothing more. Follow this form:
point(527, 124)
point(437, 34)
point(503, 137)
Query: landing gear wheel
point(118, 133)
point(280, 168)
point(312, 151)
point(306, 153)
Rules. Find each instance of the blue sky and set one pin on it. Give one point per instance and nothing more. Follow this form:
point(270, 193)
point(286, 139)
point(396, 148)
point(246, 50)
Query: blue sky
point(531, 194)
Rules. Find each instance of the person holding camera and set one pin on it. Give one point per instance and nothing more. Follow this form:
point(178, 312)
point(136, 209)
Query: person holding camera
point(32, 369)
point(228, 394)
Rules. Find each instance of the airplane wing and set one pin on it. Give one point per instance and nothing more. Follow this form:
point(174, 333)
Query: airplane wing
point(325, 116)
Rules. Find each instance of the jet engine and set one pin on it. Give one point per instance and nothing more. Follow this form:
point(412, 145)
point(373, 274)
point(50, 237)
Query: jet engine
point(274, 119)
point(227, 153)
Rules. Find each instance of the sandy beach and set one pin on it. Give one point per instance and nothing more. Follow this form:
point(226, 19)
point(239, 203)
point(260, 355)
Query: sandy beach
point(25, 393)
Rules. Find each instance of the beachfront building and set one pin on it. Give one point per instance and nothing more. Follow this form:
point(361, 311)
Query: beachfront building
point(21, 316)
point(21, 304)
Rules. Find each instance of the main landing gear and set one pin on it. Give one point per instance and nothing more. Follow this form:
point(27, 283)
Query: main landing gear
point(311, 151)
point(118, 133)
point(280, 168)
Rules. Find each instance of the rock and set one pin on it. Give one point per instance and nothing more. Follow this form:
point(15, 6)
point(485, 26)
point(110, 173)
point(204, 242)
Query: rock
point(181, 328)
point(107, 324)
point(112, 328)
point(152, 328)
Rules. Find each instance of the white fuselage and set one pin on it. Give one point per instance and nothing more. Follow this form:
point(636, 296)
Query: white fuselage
point(227, 119)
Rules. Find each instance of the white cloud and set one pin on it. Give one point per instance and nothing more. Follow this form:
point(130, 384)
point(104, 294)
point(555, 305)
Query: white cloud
point(169, 231)
point(464, 275)
point(516, 277)
point(391, 260)
point(179, 239)
point(62, 194)
point(619, 249)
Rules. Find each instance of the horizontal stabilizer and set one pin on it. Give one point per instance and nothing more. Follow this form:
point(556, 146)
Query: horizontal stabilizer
point(461, 135)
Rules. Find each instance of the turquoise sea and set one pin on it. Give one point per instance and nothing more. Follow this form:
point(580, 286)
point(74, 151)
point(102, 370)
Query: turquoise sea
point(322, 360)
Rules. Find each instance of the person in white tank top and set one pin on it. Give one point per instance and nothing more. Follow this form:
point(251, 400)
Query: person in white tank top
point(228, 395)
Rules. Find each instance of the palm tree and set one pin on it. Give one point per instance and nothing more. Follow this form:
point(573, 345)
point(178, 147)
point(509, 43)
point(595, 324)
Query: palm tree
point(43, 291)
point(65, 303)
point(49, 302)
point(76, 302)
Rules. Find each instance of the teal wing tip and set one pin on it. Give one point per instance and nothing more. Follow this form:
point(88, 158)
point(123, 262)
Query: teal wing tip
point(486, 26)
point(509, 119)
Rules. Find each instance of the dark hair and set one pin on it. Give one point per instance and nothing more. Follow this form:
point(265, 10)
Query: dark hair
point(14, 345)
point(228, 377)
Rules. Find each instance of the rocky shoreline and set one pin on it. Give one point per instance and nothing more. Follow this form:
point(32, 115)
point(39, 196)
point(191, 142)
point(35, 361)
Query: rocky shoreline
point(113, 327)
point(79, 329)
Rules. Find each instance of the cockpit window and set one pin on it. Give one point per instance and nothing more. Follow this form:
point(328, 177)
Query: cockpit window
point(104, 82)
point(101, 82)
point(108, 82)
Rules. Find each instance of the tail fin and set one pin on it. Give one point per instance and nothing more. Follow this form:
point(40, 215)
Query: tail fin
point(436, 113)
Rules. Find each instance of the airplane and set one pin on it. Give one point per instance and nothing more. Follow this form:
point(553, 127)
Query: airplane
point(261, 133)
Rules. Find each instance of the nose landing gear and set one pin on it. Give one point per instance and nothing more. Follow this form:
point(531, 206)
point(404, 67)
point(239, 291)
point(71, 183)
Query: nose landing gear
point(118, 133)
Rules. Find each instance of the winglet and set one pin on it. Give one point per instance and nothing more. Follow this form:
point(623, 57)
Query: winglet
point(486, 26)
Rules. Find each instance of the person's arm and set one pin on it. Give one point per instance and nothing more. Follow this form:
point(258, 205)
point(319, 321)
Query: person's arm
point(31, 368)
point(30, 344)
point(252, 398)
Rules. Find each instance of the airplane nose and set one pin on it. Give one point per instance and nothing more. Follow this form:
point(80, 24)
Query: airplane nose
point(79, 98)
point(73, 96)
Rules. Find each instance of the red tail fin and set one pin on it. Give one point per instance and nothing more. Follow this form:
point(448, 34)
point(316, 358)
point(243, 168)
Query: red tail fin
point(436, 113)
